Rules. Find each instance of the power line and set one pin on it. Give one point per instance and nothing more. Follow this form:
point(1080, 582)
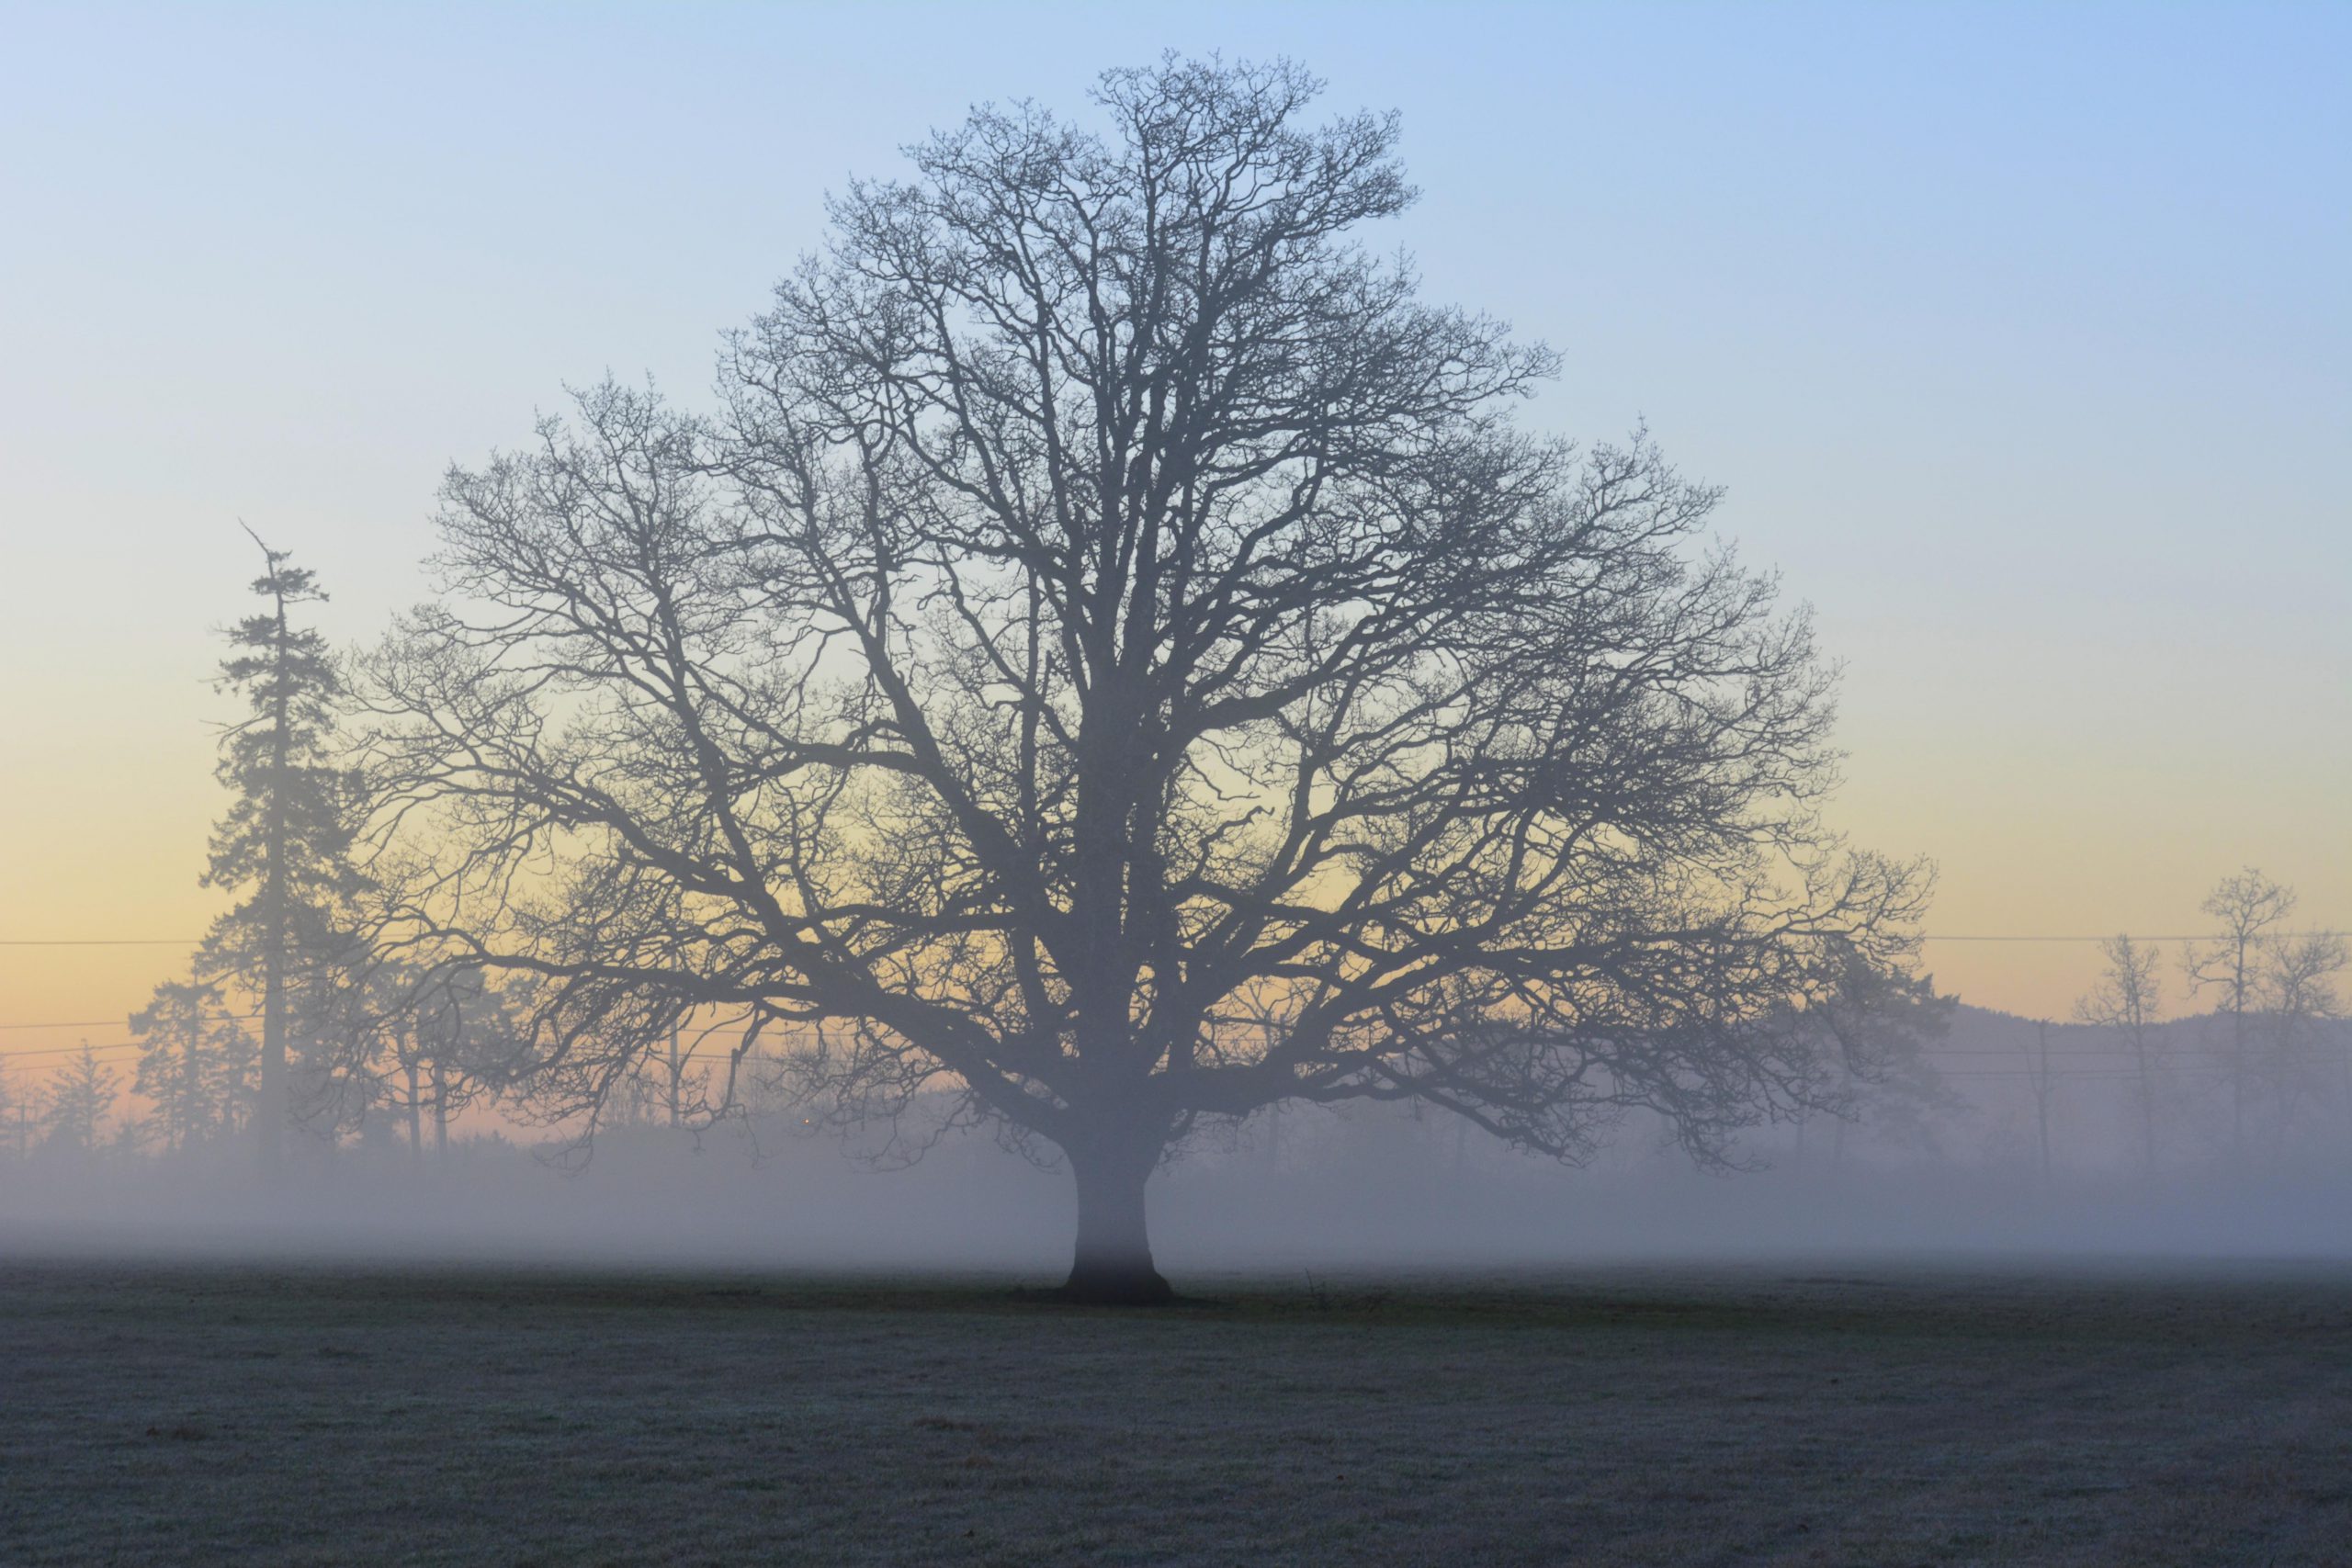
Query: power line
point(2124, 1051)
point(110, 1022)
point(2214, 936)
point(101, 941)
point(75, 1050)
point(2060, 1075)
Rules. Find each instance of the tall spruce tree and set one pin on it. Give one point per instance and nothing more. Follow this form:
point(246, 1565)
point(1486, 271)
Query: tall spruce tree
point(284, 844)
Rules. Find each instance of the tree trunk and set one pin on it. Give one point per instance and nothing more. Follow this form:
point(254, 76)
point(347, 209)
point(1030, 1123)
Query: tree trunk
point(270, 1116)
point(415, 1121)
point(2237, 1091)
point(2041, 1096)
point(440, 1115)
point(1111, 1266)
point(269, 1109)
point(676, 1068)
point(2343, 1057)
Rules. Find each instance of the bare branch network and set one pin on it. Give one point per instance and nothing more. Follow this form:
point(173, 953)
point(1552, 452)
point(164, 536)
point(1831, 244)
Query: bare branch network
point(1112, 649)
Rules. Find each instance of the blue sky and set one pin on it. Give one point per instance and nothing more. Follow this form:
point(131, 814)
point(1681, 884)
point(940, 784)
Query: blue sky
point(2021, 336)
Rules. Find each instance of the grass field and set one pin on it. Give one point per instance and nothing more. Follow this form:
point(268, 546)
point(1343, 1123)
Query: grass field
point(249, 1414)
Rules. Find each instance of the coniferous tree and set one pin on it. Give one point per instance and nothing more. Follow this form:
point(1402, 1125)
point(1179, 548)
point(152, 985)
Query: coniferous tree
point(77, 1101)
point(195, 1063)
point(14, 1114)
point(285, 843)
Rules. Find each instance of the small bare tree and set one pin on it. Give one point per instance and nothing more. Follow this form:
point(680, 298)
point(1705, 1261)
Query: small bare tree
point(427, 1042)
point(1115, 656)
point(2296, 1000)
point(2044, 1084)
point(2247, 906)
point(2129, 1001)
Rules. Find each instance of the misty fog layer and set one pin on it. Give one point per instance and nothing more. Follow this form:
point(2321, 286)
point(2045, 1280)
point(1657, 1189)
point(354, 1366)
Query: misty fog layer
point(1951, 1169)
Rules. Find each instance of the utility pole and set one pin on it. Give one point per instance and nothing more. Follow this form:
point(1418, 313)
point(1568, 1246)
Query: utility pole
point(2041, 1096)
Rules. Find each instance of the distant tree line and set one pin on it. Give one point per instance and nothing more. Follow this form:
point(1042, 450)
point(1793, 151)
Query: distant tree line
point(378, 1044)
point(2271, 1037)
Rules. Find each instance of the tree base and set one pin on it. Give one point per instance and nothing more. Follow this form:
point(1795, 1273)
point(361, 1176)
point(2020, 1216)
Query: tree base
point(1131, 1285)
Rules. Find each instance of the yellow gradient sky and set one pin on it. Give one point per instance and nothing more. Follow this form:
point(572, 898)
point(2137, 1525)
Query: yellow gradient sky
point(2022, 340)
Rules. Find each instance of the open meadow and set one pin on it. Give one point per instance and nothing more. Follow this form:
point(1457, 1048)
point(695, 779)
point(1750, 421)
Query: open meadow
point(1841, 1414)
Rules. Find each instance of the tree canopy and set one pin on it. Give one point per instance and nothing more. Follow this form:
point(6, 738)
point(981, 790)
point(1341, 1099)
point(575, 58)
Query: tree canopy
point(1112, 650)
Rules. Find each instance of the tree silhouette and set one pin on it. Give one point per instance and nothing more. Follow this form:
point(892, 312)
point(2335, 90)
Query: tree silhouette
point(2295, 991)
point(285, 840)
point(78, 1100)
point(433, 1039)
point(195, 1063)
point(16, 1113)
point(2129, 998)
point(1114, 655)
point(2247, 906)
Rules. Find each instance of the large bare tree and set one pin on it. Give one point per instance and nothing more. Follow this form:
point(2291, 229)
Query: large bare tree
point(1113, 654)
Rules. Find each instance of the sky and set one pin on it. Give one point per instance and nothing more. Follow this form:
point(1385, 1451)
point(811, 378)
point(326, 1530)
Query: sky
point(2020, 337)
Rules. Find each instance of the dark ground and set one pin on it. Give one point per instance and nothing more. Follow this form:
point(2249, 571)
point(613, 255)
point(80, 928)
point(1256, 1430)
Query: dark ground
point(154, 1414)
